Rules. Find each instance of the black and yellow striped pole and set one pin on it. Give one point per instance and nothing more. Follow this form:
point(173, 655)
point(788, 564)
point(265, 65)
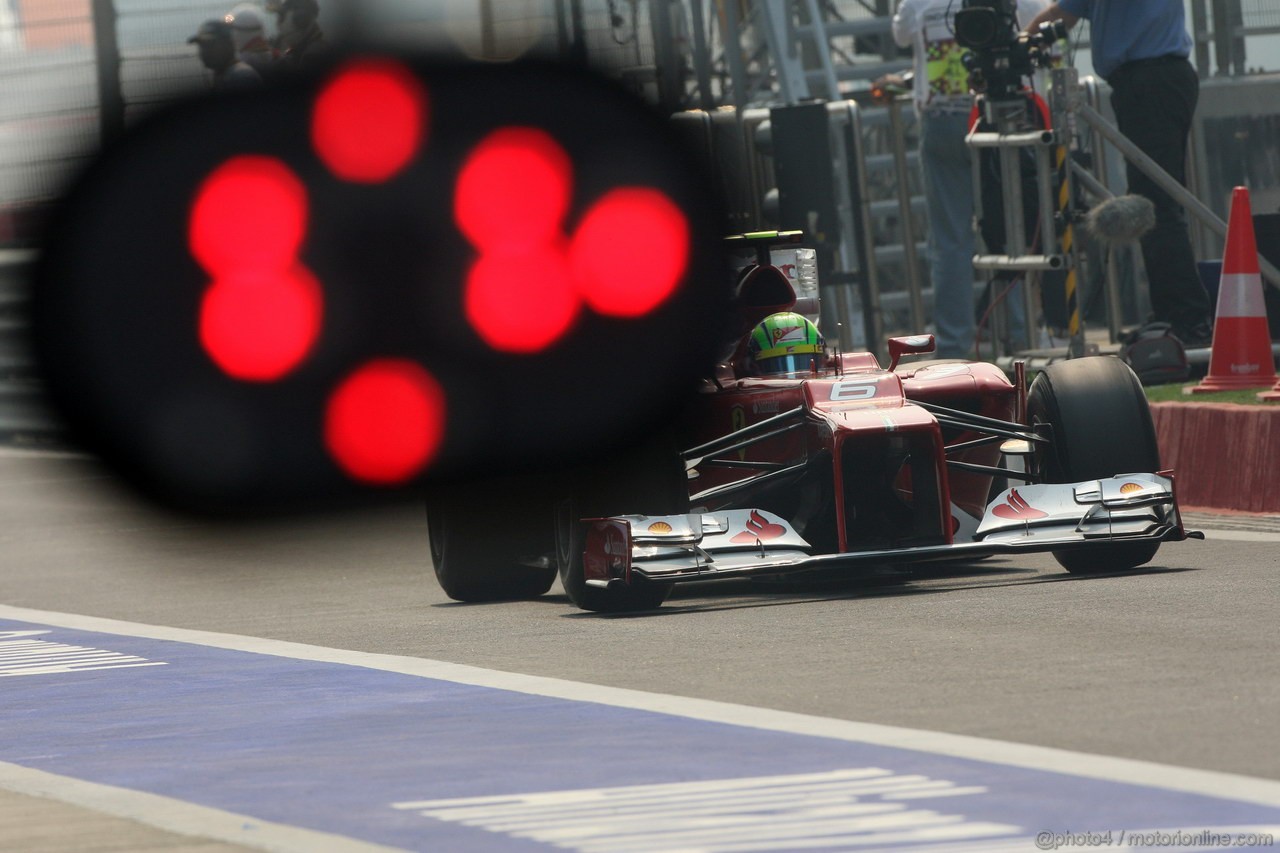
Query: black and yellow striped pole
point(1064, 88)
point(1075, 328)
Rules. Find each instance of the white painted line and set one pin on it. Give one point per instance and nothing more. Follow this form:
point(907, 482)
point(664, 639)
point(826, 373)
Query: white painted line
point(21, 654)
point(178, 816)
point(1210, 783)
point(856, 807)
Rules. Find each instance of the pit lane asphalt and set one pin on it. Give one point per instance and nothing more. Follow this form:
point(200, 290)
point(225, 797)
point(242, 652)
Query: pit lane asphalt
point(1174, 664)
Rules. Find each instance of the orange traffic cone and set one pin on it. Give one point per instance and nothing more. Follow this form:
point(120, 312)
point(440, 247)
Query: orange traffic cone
point(1241, 356)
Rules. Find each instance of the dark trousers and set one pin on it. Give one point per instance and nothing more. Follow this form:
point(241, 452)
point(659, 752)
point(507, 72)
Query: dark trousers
point(1154, 101)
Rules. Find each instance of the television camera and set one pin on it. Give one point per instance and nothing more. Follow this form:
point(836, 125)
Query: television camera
point(1000, 54)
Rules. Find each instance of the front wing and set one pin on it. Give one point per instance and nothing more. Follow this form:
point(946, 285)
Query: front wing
point(744, 542)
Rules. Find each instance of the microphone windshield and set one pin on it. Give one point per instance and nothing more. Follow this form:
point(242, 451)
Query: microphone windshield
point(1122, 219)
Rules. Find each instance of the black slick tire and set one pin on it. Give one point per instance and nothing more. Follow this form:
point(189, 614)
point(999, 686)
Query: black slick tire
point(570, 543)
point(649, 480)
point(490, 550)
point(1101, 427)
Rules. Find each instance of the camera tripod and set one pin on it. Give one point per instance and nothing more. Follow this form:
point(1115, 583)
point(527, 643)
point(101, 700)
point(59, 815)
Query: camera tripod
point(1009, 127)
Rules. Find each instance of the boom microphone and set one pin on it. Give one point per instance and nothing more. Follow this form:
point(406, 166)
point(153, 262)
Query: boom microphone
point(1122, 219)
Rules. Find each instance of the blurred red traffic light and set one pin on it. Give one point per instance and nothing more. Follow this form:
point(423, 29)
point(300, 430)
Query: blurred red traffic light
point(369, 120)
point(385, 421)
point(513, 190)
point(258, 326)
point(250, 213)
point(387, 272)
point(521, 301)
point(630, 251)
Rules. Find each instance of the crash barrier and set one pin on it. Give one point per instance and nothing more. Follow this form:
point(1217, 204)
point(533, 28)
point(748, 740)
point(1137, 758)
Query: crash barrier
point(25, 419)
point(1222, 454)
point(1241, 356)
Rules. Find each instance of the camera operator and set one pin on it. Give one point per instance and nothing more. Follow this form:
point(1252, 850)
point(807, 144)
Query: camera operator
point(1140, 47)
point(940, 91)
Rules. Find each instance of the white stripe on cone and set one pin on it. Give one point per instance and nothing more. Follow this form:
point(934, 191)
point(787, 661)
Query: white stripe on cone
point(1240, 295)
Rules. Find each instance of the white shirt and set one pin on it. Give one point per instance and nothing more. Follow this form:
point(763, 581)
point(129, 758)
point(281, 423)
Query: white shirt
point(941, 80)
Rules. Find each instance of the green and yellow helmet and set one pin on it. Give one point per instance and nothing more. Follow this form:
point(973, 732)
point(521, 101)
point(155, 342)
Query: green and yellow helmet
point(785, 343)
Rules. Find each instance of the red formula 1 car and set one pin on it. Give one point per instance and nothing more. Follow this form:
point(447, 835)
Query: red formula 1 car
point(798, 459)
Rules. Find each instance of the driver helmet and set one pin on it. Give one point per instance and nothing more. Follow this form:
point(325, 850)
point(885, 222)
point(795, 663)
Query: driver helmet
point(785, 343)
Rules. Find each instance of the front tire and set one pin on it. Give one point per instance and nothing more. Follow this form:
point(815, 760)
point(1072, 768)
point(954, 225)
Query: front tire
point(489, 548)
point(649, 480)
point(571, 535)
point(1101, 427)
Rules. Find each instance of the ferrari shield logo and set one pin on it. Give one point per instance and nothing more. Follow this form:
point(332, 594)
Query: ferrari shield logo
point(789, 335)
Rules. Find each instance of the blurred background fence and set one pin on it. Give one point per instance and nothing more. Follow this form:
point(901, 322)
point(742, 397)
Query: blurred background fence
point(71, 68)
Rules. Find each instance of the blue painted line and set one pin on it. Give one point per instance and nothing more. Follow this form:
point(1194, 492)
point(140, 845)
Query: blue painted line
point(333, 747)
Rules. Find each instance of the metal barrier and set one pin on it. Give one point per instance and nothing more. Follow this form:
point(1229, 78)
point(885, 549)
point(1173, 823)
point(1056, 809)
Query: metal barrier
point(48, 119)
point(906, 214)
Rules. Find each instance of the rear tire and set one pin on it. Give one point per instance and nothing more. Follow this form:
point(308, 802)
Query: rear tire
point(1101, 427)
point(488, 548)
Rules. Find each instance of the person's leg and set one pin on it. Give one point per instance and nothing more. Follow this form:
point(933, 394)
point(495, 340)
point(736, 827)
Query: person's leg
point(1154, 106)
point(1015, 301)
point(948, 190)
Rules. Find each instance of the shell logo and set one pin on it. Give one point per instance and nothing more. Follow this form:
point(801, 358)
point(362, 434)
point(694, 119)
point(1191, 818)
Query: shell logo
point(659, 527)
point(1130, 488)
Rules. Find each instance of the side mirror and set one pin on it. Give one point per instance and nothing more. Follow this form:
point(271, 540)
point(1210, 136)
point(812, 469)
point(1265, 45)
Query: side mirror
point(911, 345)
